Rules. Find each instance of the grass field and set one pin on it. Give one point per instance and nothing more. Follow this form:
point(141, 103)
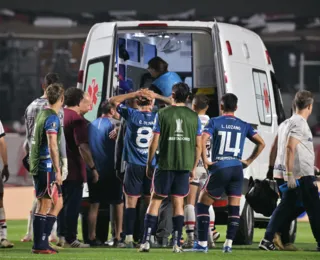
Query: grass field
point(304, 241)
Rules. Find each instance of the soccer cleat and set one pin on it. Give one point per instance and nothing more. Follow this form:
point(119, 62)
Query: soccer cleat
point(55, 247)
point(227, 249)
point(278, 242)
point(267, 245)
point(43, 251)
point(215, 236)
point(77, 244)
point(126, 245)
point(290, 247)
point(61, 242)
point(212, 245)
point(188, 244)
point(144, 247)
point(94, 243)
point(53, 238)
point(198, 248)
point(26, 238)
point(6, 244)
point(177, 249)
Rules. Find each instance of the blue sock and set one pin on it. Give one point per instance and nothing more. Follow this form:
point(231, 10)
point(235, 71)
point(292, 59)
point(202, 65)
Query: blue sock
point(177, 222)
point(48, 227)
point(130, 218)
point(39, 223)
point(150, 223)
point(233, 221)
point(203, 221)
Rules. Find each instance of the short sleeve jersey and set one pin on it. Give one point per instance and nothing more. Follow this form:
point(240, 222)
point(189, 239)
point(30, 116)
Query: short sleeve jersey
point(228, 137)
point(139, 126)
point(47, 122)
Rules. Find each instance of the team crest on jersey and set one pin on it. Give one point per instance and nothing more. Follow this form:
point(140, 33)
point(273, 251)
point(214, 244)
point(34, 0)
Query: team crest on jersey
point(179, 126)
point(54, 124)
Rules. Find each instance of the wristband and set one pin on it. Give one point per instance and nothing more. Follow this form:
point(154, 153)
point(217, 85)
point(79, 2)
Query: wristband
point(93, 168)
point(289, 173)
point(271, 168)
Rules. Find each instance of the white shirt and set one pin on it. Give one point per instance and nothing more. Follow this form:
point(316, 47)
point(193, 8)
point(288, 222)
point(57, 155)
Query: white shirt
point(298, 128)
point(2, 132)
point(204, 120)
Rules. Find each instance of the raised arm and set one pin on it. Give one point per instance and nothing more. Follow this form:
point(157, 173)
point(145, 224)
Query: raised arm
point(116, 100)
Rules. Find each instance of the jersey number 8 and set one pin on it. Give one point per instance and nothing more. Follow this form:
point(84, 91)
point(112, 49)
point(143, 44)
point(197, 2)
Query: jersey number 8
point(225, 143)
point(143, 133)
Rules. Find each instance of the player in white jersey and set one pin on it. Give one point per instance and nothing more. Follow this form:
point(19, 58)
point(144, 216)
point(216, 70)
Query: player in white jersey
point(295, 147)
point(30, 118)
point(4, 176)
point(200, 104)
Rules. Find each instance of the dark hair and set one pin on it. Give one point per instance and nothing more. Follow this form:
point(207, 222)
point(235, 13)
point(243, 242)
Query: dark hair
point(303, 99)
point(142, 101)
point(106, 107)
point(181, 92)
point(51, 78)
point(201, 101)
point(230, 102)
point(73, 96)
point(158, 64)
point(54, 92)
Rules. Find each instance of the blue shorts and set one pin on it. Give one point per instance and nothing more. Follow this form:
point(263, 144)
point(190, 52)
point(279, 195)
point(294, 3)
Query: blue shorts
point(45, 186)
point(174, 183)
point(135, 181)
point(227, 180)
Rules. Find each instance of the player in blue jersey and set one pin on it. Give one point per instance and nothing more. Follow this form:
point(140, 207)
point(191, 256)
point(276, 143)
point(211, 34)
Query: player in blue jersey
point(139, 124)
point(225, 169)
point(108, 189)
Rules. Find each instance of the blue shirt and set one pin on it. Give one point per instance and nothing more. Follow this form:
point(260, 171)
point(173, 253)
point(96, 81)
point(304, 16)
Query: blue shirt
point(101, 146)
point(228, 138)
point(51, 126)
point(138, 134)
point(166, 81)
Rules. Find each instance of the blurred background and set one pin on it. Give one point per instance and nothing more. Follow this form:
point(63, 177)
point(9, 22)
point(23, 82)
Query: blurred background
point(38, 36)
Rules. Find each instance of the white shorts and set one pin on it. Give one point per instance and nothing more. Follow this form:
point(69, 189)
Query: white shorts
point(201, 177)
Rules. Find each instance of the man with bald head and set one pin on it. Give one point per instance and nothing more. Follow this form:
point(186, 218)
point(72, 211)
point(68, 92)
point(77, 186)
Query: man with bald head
point(78, 153)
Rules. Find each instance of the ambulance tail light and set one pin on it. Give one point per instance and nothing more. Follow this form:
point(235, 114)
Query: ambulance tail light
point(83, 46)
point(225, 78)
point(152, 25)
point(229, 48)
point(80, 76)
point(268, 57)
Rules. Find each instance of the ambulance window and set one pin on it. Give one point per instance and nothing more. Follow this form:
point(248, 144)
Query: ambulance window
point(96, 84)
point(263, 100)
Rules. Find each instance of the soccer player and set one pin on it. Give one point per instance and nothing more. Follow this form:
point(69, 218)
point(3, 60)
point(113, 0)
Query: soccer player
point(139, 124)
point(177, 135)
point(4, 243)
point(45, 168)
point(200, 105)
point(295, 148)
point(109, 187)
point(228, 135)
point(30, 117)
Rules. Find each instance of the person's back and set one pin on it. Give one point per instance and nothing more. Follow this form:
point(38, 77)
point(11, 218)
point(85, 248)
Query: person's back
point(179, 127)
point(165, 82)
point(101, 145)
point(229, 134)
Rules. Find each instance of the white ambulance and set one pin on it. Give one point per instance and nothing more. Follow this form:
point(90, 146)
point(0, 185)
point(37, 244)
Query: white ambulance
point(213, 58)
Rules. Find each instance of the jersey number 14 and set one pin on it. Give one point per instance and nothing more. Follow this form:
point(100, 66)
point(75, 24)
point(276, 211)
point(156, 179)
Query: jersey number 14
point(226, 141)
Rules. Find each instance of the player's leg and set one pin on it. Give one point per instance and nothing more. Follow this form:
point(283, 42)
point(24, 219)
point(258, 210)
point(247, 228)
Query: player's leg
point(190, 214)
point(4, 243)
point(213, 235)
point(311, 201)
point(179, 190)
point(93, 210)
point(132, 187)
point(28, 235)
point(212, 189)
point(161, 186)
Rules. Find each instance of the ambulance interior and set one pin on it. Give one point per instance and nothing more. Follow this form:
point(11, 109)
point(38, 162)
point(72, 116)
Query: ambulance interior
point(190, 55)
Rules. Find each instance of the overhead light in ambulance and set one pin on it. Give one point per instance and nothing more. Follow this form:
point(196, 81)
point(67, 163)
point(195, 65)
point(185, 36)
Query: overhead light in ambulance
point(152, 25)
point(139, 35)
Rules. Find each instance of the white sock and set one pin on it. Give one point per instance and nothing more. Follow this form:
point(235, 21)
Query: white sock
point(3, 225)
point(54, 229)
point(129, 238)
point(203, 243)
point(211, 225)
point(189, 218)
point(228, 243)
point(30, 218)
point(152, 239)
